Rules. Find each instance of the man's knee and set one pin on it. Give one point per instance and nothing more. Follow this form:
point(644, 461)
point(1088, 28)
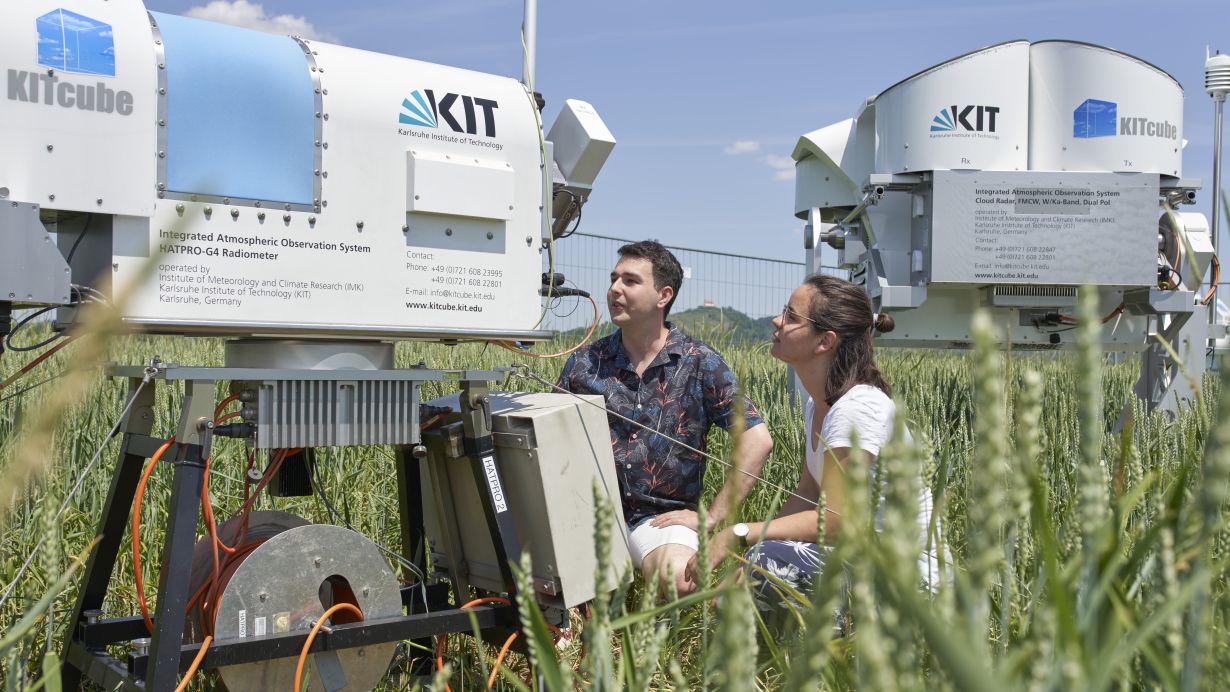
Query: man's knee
point(667, 565)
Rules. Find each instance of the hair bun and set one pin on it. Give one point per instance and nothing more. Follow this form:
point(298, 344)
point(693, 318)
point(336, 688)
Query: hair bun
point(884, 323)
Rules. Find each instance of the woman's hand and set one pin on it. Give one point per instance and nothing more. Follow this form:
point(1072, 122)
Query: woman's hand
point(720, 545)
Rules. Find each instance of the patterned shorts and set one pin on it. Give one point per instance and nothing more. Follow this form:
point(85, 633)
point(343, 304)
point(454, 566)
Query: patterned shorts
point(794, 563)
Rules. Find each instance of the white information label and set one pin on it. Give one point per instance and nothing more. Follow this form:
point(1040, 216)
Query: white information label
point(243, 623)
point(259, 626)
point(1044, 228)
point(493, 481)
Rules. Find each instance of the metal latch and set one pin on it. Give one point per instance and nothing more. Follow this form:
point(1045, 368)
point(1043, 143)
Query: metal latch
point(509, 439)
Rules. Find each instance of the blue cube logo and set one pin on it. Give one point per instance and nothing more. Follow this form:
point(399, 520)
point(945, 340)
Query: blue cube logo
point(1094, 118)
point(71, 42)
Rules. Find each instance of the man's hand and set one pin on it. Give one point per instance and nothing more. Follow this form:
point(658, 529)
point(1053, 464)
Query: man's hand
point(679, 517)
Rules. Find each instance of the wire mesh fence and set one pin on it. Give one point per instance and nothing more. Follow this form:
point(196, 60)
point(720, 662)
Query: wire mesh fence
point(754, 286)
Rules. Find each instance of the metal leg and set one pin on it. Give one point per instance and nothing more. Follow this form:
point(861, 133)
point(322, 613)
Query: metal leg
point(413, 542)
point(113, 522)
point(410, 500)
point(1165, 381)
point(196, 424)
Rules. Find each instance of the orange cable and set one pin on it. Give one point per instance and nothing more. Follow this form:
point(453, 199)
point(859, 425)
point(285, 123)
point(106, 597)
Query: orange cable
point(592, 328)
point(41, 357)
point(136, 529)
point(443, 640)
point(225, 402)
point(229, 416)
point(196, 662)
point(1216, 279)
point(1110, 316)
point(269, 473)
point(307, 644)
point(499, 659)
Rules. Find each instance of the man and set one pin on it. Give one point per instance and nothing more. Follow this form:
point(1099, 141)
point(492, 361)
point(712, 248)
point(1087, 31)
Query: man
point(674, 385)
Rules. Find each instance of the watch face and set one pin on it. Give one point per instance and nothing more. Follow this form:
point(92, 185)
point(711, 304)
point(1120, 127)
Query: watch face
point(740, 530)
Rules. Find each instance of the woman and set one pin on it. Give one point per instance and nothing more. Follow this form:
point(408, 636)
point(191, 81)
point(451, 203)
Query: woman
point(824, 333)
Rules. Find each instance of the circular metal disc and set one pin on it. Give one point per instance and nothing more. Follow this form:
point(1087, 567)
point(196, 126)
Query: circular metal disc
point(262, 525)
point(279, 588)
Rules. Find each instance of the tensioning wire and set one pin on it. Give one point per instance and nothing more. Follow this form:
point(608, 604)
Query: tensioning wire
point(80, 480)
point(759, 479)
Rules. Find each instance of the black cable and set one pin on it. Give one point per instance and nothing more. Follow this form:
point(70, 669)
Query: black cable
point(1177, 276)
point(89, 218)
point(8, 340)
point(559, 301)
point(6, 323)
point(577, 203)
point(77, 298)
point(336, 516)
point(40, 383)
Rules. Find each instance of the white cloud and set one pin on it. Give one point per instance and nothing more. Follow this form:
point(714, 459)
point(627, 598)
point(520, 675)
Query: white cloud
point(252, 16)
point(743, 146)
point(783, 166)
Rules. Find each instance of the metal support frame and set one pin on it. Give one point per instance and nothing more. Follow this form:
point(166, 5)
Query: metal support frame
point(430, 611)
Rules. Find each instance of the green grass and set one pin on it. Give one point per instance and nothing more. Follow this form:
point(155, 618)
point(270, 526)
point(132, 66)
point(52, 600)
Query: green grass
point(1084, 559)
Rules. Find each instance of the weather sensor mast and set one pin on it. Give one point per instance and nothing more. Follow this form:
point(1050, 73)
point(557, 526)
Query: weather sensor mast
point(1217, 84)
point(1006, 178)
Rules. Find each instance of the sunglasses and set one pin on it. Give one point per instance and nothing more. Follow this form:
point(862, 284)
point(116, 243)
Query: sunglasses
point(787, 313)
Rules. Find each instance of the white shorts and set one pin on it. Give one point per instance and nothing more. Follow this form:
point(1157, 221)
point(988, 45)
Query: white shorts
point(644, 539)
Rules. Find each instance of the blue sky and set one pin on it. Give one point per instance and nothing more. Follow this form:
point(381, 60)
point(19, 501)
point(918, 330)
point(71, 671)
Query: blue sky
point(707, 99)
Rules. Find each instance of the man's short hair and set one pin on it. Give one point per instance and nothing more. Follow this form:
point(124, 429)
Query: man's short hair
point(666, 269)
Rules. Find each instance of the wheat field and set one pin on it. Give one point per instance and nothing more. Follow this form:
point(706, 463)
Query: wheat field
point(1082, 558)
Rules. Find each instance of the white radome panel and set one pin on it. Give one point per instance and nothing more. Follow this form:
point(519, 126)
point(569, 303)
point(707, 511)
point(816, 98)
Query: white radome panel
point(370, 261)
point(1095, 109)
point(967, 113)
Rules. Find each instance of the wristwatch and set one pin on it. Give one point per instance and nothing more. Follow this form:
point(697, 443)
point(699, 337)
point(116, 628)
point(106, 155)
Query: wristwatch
point(741, 531)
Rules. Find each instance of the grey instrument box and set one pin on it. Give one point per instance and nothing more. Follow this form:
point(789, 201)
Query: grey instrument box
point(549, 449)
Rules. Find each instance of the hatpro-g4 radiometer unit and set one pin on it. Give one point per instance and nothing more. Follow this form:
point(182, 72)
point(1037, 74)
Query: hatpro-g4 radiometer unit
point(235, 182)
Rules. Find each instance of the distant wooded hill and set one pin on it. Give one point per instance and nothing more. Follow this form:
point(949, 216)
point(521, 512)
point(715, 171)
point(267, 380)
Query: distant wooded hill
point(710, 324)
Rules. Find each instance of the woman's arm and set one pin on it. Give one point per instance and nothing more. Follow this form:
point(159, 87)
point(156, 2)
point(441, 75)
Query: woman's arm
point(804, 497)
point(833, 485)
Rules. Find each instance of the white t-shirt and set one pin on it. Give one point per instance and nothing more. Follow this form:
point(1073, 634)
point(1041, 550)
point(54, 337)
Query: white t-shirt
point(869, 411)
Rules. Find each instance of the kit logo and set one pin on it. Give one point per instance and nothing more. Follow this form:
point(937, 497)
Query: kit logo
point(71, 43)
point(1095, 118)
point(421, 108)
point(965, 119)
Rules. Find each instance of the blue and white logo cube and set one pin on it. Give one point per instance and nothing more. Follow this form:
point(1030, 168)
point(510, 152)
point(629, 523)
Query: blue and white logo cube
point(1094, 118)
point(71, 42)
